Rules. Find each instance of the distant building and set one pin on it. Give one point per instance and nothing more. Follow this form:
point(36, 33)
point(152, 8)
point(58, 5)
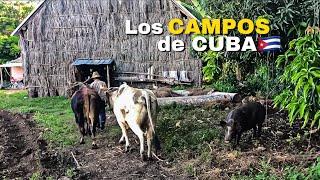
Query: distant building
point(13, 69)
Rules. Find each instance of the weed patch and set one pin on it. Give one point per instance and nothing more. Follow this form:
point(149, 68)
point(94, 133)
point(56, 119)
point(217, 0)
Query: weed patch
point(289, 172)
point(188, 128)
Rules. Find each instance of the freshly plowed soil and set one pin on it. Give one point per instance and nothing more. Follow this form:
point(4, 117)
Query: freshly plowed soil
point(23, 152)
point(18, 146)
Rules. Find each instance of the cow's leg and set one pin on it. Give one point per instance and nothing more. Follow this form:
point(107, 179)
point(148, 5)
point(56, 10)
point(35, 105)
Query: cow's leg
point(124, 135)
point(137, 130)
point(88, 128)
point(120, 116)
point(92, 123)
point(102, 118)
point(82, 132)
point(93, 135)
point(121, 141)
point(81, 128)
point(238, 137)
point(254, 131)
point(149, 139)
point(259, 130)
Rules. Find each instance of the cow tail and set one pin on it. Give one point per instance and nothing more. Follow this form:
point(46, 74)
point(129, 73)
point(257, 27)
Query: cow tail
point(147, 97)
point(87, 110)
point(155, 139)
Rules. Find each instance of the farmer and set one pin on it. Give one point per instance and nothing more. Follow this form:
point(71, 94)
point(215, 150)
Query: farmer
point(98, 85)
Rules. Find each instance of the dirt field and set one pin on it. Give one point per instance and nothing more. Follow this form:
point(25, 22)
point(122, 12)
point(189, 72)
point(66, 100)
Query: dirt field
point(17, 146)
point(23, 152)
point(26, 154)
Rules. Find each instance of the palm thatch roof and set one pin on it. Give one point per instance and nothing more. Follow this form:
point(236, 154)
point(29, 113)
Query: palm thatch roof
point(41, 4)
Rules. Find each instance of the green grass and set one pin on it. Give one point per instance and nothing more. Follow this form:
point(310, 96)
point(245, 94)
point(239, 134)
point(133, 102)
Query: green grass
point(187, 128)
point(35, 176)
point(54, 114)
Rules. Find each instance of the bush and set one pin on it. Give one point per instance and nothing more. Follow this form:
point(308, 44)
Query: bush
point(301, 77)
point(224, 86)
point(212, 69)
point(258, 81)
point(290, 172)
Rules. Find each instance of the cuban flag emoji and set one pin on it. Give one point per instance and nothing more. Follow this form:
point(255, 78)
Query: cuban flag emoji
point(269, 44)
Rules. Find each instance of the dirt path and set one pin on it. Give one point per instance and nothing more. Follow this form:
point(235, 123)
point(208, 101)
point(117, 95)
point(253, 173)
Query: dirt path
point(23, 153)
point(110, 162)
point(17, 146)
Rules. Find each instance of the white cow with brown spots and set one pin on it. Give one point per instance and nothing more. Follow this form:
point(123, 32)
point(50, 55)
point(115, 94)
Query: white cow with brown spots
point(136, 108)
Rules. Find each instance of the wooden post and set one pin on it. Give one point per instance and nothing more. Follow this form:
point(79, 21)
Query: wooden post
point(108, 76)
point(1, 82)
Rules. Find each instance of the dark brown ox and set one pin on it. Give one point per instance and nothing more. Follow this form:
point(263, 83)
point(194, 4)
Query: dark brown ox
point(86, 104)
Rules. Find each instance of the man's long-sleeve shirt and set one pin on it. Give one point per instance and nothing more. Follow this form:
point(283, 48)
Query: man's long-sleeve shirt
point(97, 85)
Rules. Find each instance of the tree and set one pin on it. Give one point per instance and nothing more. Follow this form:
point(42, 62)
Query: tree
point(11, 14)
point(297, 89)
point(301, 77)
point(9, 48)
point(288, 19)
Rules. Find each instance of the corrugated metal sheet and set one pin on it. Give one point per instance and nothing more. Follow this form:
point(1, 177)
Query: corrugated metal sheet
point(79, 62)
point(13, 63)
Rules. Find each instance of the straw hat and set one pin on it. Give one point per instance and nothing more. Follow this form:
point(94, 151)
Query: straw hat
point(95, 75)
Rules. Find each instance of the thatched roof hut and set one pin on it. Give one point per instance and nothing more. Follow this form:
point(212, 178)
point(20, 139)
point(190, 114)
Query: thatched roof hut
point(58, 32)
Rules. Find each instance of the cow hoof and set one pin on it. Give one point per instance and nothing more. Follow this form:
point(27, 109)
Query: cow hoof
point(94, 146)
point(150, 159)
point(121, 141)
point(143, 157)
point(127, 149)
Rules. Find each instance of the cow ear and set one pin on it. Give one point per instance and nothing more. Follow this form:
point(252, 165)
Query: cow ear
point(223, 123)
point(120, 90)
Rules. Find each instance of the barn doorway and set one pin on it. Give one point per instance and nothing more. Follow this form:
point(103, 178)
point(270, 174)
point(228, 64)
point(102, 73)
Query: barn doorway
point(85, 68)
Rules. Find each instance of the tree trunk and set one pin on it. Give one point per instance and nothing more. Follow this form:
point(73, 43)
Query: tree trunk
point(199, 100)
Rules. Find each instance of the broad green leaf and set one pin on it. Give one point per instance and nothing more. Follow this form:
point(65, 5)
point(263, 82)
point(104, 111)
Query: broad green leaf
point(301, 109)
point(316, 73)
point(316, 118)
point(306, 119)
point(298, 86)
point(306, 89)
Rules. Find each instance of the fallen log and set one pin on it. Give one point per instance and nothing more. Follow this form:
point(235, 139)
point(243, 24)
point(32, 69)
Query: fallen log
point(200, 100)
point(145, 80)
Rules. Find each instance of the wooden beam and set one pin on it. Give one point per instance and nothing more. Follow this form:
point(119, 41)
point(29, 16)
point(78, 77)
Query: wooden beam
point(138, 73)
